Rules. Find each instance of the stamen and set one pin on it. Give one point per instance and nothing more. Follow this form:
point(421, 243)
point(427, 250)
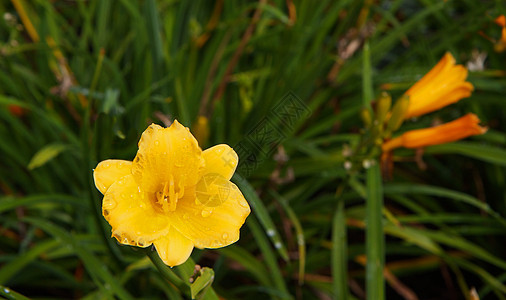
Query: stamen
point(168, 197)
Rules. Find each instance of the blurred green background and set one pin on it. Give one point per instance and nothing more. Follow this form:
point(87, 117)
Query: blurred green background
point(81, 80)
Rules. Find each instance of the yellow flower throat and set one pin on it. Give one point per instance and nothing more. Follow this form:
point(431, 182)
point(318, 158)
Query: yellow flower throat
point(169, 196)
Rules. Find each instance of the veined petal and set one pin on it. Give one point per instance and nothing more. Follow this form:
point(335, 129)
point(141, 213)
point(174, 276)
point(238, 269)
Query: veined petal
point(220, 159)
point(443, 85)
point(109, 171)
point(167, 155)
point(173, 248)
point(211, 226)
point(463, 127)
point(130, 212)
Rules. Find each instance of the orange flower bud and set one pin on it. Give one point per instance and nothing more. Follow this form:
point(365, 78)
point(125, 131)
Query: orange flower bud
point(443, 85)
point(461, 128)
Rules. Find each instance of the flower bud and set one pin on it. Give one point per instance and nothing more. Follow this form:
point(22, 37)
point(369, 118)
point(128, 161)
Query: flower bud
point(398, 112)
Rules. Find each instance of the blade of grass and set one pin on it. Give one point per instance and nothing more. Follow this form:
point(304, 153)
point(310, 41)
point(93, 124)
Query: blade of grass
point(260, 211)
point(375, 283)
point(339, 258)
point(270, 259)
point(95, 267)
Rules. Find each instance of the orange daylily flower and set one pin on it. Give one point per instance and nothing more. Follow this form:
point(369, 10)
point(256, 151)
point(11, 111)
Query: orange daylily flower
point(500, 45)
point(456, 130)
point(501, 21)
point(443, 85)
point(173, 195)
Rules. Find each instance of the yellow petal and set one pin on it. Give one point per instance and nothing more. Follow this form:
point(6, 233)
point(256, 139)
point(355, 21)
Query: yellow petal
point(130, 212)
point(173, 248)
point(167, 155)
point(220, 159)
point(211, 226)
point(109, 171)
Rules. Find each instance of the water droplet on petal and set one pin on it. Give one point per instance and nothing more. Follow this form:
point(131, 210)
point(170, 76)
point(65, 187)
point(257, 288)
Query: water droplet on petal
point(157, 143)
point(206, 213)
point(186, 216)
point(243, 203)
point(125, 240)
point(224, 236)
point(107, 165)
point(109, 204)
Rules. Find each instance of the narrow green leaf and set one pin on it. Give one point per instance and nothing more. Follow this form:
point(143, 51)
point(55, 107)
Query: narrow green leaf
point(9, 202)
point(367, 89)
point(339, 253)
point(268, 255)
point(375, 248)
point(97, 270)
point(260, 211)
point(10, 294)
point(487, 153)
point(10, 269)
point(301, 241)
point(45, 154)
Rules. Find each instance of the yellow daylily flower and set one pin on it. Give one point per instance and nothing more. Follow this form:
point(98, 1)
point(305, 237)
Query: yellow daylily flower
point(458, 129)
point(173, 195)
point(443, 85)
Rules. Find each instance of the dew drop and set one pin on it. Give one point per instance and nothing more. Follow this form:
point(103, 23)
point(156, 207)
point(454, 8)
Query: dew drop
point(277, 245)
point(6, 290)
point(125, 240)
point(186, 216)
point(224, 236)
point(107, 165)
point(208, 229)
point(109, 204)
point(271, 232)
point(206, 213)
point(157, 143)
point(243, 203)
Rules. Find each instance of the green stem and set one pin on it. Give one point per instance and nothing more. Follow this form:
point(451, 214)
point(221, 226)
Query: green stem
point(167, 273)
point(339, 258)
point(375, 283)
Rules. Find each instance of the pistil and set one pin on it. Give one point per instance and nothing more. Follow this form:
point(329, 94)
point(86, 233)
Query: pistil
point(168, 197)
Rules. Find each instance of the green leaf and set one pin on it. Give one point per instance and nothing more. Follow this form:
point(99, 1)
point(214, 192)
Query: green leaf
point(46, 154)
point(200, 286)
point(260, 211)
point(375, 248)
point(484, 152)
point(96, 268)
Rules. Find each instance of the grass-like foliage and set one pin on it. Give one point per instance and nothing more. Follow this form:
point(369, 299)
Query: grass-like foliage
point(284, 83)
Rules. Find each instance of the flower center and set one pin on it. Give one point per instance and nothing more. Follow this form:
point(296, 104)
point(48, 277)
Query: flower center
point(168, 197)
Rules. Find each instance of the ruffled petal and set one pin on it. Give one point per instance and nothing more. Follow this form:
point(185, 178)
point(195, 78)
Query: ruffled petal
point(212, 215)
point(130, 212)
point(167, 155)
point(220, 159)
point(173, 248)
point(109, 171)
